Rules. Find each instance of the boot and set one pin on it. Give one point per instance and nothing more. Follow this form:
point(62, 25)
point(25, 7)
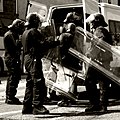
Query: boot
point(13, 101)
point(93, 108)
point(27, 110)
point(40, 110)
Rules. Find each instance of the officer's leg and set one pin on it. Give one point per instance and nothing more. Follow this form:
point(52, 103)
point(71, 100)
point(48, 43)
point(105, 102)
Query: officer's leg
point(104, 85)
point(10, 88)
point(8, 85)
point(15, 78)
point(28, 98)
point(39, 90)
point(39, 93)
point(92, 91)
point(12, 83)
point(91, 88)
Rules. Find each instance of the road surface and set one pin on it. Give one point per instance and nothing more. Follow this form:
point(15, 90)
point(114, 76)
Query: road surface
point(74, 112)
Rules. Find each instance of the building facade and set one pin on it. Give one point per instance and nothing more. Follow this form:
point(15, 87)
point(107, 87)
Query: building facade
point(7, 14)
point(11, 9)
point(109, 1)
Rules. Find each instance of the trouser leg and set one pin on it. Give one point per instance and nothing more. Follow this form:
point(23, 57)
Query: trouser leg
point(92, 93)
point(28, 98)
point(91, 88)
point(104, 85)
point(11, 88)
point(39, 88)
point(39, 91)
point(12, 82)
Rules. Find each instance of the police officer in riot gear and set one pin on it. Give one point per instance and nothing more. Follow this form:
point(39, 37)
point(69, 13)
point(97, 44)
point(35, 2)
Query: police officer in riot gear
point(67, 38)
point(98, 103)
point(67, 60)
point(72, 17)
point(12, 46)
point(34, 46)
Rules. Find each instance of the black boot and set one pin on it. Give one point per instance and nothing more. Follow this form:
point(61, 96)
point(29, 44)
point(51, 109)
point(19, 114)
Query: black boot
point(40, 110)
point(13, 101)
point(93, 108)
point(27, 109)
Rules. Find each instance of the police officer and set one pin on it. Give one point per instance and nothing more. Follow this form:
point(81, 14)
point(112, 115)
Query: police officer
point(67, 38)
point(72, 17)
point(12, 46)
point(34, 46)
point(98, 103)
point(69, 19)
point(67, 60)
point(67, 35)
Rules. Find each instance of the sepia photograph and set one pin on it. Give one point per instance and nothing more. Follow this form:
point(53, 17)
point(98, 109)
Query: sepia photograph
point(59, 59)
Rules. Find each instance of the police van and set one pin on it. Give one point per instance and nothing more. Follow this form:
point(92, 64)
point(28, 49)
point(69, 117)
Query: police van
point(56, 15)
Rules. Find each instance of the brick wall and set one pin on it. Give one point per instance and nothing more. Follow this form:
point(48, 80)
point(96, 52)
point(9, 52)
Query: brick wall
point(8, 15)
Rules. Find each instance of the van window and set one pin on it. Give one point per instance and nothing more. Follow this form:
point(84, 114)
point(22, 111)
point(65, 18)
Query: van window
point(37, 7)
point(114, 28)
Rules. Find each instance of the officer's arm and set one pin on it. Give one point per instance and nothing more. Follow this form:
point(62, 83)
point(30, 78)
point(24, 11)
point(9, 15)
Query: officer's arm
point(48, 44)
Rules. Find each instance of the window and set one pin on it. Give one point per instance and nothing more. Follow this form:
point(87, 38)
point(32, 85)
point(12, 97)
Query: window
point(114, 28)
point(1, 5)
point(39, 8)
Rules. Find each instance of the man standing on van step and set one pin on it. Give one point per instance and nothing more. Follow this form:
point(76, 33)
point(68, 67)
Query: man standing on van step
point(12, 46)
point(34, 46)
point(98, 103)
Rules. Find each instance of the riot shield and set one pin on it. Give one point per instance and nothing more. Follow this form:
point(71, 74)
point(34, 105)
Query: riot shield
point(98, 54)
point(94, 53)
point(59, 77)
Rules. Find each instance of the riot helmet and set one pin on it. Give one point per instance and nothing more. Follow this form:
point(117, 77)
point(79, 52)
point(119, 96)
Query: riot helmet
point(17, 26)
point(96, 20)
point(33, 20)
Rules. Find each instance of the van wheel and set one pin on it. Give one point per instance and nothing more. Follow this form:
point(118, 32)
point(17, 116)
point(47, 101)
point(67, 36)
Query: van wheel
point(1, 66)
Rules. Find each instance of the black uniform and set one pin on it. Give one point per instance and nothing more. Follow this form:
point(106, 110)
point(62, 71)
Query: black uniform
point(93, 77)
point(34, 47)
point(12, 59)
point(67, 59)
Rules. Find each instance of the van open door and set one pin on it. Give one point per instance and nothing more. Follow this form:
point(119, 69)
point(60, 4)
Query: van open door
point(89, 7)
point(37, 7)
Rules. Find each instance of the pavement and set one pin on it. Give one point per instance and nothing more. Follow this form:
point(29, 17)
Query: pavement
point(73, 112)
